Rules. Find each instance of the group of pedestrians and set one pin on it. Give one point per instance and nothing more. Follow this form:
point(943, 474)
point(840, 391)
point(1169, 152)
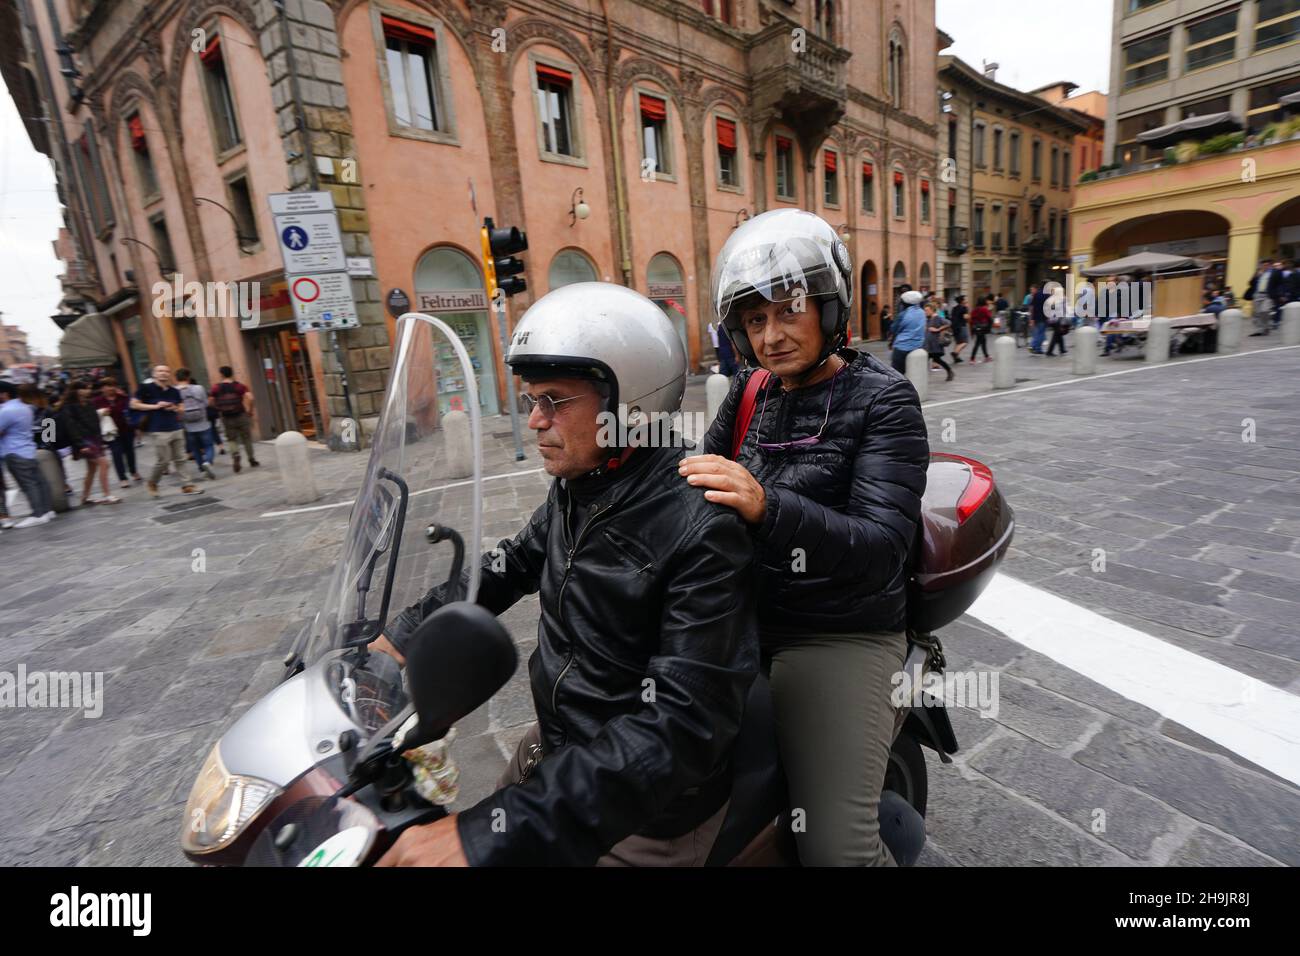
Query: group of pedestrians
point(1276, 283)
point(95, 421)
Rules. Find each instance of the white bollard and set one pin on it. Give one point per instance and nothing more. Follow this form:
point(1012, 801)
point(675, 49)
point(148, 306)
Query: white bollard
point(1229, 330)
point(49, 465)
point(1291, 323)
point(457, 445)
point(1157, 344)
point(1004, 362)
point(716, 387)
point(918, 371)
point(1085, 350)
point(295, 468)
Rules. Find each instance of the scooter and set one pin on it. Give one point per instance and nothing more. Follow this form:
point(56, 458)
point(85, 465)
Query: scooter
point(350, 748)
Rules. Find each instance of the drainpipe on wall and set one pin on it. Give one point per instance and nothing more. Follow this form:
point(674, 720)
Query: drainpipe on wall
point(625, 259)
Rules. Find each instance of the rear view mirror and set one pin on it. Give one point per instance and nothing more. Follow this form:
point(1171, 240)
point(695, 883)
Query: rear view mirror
point(458, 657)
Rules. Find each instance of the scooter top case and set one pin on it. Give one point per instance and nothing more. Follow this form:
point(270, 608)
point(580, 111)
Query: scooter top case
point(966, 528)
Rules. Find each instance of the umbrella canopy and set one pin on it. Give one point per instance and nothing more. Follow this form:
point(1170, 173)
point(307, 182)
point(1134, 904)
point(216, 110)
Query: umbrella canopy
point(1194, 127)
point(1142, 263)
point(88, 343)
point(1290, 102)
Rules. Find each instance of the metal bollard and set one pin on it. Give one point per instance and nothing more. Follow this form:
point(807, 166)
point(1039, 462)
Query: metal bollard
point(53, 475)
point(918, 371)
point(1230, 321)
point(1157, 344)
point(1291, 323)
point(1085, 350)
point(716, 387)
point(1004, 362)
point(295, 468)
point(457, 445)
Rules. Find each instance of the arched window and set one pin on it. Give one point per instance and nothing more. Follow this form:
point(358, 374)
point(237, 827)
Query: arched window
point(824, 19)
point(448, 284)
point(569, 266)
point(925, 277)
point(895, 70)
point(664, 281)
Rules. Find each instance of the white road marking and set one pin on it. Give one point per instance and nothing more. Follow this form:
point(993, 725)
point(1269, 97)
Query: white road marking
point(1246, 715)
point(422, 491)
point(1080, 379)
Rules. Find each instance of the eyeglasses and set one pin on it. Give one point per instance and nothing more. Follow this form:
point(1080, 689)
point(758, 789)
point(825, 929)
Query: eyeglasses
point(798, 442)
point(546, 403)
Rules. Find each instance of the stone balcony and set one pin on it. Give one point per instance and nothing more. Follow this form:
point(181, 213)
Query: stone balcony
point(800, 79)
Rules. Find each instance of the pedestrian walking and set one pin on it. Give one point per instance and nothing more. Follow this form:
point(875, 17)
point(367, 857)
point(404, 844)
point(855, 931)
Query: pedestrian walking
point(18, 452)
point(234, 401)
point(122, 445)
point(936, 330)
point(1037, 318)
point(981, 323)
point(957, 316)
point(908, 331)
point(194, 419)
point(1263, 293)
point(162, 401)
point(86, 438)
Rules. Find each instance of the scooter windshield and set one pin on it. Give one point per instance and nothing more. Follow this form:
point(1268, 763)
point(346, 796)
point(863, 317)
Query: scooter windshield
point(420, 495)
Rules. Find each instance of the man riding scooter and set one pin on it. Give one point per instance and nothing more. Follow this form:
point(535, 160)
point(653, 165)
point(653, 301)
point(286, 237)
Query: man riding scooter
point(646, 643)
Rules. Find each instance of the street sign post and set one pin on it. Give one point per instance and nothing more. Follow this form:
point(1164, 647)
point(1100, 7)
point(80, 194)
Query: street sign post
point(315, 266)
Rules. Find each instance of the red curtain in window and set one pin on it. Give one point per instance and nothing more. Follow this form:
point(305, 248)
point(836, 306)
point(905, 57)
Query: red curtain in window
point(726, 135)
point(549, 74)
point(952, 196)
point(136, 129)
point(898, 179)
point(653, 108)
point(831, 161)
point(783, 142)
point(396, 29)
point(211, 55)
point(925, 185)
point(868, 170)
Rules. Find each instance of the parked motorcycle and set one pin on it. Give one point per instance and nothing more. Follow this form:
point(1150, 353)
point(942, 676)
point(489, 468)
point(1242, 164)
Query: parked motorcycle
point(350, 749)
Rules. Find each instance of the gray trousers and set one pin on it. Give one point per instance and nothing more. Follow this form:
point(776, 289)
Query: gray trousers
point(1262, 313)
point(689, 849)
point(27, 475)
point(834, 725)
point(168, 447)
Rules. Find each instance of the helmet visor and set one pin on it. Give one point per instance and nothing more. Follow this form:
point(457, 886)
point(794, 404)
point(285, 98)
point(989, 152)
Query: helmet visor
point(782, 256)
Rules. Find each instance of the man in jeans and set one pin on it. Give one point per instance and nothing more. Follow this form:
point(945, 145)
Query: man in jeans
point(234, 401)
point(18, 452)
point(162, 427)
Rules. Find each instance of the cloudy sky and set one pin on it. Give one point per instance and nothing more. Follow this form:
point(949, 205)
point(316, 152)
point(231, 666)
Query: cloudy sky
point(1035, 42)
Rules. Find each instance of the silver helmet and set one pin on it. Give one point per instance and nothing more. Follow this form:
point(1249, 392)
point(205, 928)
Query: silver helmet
point(608, 333)
point(782, 255)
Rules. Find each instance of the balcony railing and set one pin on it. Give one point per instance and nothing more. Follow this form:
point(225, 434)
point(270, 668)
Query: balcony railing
point(997, 240)
point(958, 241)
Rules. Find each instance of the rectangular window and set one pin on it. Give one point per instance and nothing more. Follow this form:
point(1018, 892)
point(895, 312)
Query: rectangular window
point(1015, 153)
point(952, 139)
point(163, 243)
point(412, 72)
point(1264, 107)
point(717, 8)
point(995, 228)
point(728, 170)
point(1277, 22)
point(1013, 226)
point(925, 200)
point(1135, 5)
point(900, 197)
point(1066, 171)
point(143, 163)
point(221, 102)
point(555, 109)
point(979, 226)
point(868, 188)
point(830, 177)
point(93, 179)
point(1036, 160)
point(977, 148)
point(997, 149)
point(1065, 230)
point(1056, 165)
point(952, 208)
point(241, 204)
point(654, 133)
point(785, 167)
point(1219, 104)
point(1146, 61)
point(1211, 40)
point(1126, 149)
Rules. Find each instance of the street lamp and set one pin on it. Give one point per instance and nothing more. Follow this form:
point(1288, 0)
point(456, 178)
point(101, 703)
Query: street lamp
point(741, 216)
point(578, 208)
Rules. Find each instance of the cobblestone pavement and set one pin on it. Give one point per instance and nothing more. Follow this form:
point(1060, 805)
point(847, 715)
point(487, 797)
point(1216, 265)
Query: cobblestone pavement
point(1201, 530)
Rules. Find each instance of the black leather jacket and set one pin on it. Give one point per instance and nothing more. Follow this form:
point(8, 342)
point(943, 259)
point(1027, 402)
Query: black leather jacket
point(646, 648)
point(842, 515)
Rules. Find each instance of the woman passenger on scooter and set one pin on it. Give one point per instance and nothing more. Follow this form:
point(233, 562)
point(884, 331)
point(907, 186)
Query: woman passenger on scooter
point(829, 476)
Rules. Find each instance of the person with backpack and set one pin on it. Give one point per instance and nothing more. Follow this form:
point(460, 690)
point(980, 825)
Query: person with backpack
point(162, 401)
point(981, 323)
point(194, 419)
point(234, 401)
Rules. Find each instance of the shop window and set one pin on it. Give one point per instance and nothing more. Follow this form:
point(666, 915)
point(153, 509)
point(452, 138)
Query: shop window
point(411, 55)
point(555, 110)
point(665, 287)
point(569, 266)
point(448, 283)
point(221, 102)
point(728, 166)
point(655, 149)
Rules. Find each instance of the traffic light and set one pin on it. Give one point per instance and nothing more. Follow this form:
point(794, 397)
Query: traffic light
point(500, 265)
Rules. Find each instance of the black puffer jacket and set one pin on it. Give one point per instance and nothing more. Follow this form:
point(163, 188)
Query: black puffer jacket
point(842, 514)
point(657, 585)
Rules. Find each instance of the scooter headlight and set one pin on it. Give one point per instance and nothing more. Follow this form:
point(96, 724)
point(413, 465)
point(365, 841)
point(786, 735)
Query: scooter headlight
point(221, 804)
